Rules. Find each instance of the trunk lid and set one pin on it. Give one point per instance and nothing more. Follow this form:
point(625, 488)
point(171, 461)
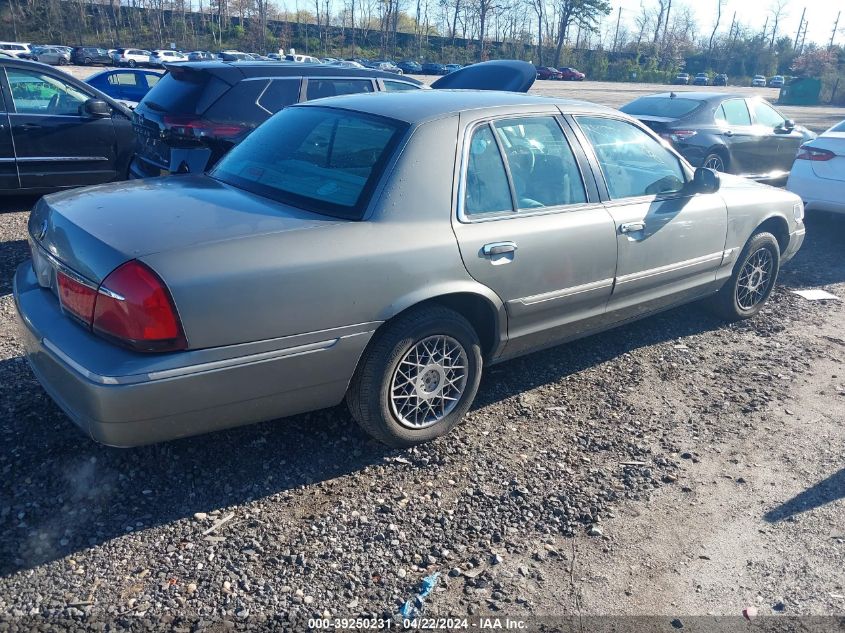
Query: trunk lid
point(93, 231)
point(657, 123)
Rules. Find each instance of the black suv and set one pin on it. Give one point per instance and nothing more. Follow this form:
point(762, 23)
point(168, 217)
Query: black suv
point(199, 110)
point(86, 55)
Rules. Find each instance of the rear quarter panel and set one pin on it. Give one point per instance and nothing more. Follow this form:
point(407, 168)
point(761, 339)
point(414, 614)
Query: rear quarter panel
point(750, 204)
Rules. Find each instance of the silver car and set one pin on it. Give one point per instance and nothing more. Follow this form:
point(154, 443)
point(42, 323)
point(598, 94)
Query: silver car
point(51, 55)
point(382, 249)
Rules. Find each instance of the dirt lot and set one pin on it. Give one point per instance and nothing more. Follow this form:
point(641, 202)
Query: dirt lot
point(816, 118)
point(675, 467)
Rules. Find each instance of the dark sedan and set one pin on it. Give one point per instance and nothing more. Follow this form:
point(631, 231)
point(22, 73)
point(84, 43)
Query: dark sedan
point(572, 74)
point(728, 133)
point(58, 132)
point(431, 68)
point(87, 55)
point(547, 72)
point(410, 67)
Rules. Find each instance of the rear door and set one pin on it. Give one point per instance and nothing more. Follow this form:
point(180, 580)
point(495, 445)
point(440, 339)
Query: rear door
point(670, 243)
point(56, 145)
point(8, 168)
point(734, 122)
point(531, 228)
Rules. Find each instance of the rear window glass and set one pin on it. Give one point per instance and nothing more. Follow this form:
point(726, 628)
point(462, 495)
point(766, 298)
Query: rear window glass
point(320, 88)
point(839, 127)
point(185, 92)
point(661, 106)
point(322, 160)
point(240, 104)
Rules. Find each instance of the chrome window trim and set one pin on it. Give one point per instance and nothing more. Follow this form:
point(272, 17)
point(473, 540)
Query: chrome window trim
point(470, 129)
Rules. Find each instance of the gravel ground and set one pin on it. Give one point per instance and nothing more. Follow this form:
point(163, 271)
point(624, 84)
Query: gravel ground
point(588, 449)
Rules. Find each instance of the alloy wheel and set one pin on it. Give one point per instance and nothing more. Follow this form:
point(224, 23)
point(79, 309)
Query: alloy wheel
point(428, 382)
point(715, 162)
point(754, 279)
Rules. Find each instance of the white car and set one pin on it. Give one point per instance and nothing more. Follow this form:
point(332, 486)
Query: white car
point(759, 81)
point(131, 57)
point(15, 49)
point(818, 173)
point(162, 56)
point(302, 59)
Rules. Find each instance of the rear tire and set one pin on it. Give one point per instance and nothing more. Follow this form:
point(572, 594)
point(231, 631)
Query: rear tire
point(752, 281)
point(417, 378)
point(86, 61)
point(132, 63)
point(716, 162)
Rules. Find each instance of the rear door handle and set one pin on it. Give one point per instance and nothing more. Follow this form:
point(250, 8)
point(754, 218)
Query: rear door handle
point(632, 227)
point(498, 248)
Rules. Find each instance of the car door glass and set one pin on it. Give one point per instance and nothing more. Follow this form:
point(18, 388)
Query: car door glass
point(541, 163)
point(319, 88)
point(733, 112)
point(37, 93)
point(633, 163)
point(152, 79)
point(398, 86)
point(123, 79)
point(486, 184)
point(279, 94)
point(766, 115)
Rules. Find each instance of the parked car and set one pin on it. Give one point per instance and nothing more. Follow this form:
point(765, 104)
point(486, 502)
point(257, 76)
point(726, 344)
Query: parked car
point(431, 68)
point(302, 59)
point(131, 57)
point(720, 80)
point(450, 68)
point(410, 67)
point(572, 74)
point(388, 67)
point(548, 72)
point(232, 56)
point(201, 56)
point(776, 82)
point(759, 81)
point(88, 55)
point(347, 63)
point(15, 49)
point(211, 301)
point(818, 174)
point(276, 57)
point(198, 112)
point(724, 132)
point(164, 56)
point(701, 79)
point(58, 132)
point(681, 79)
point(128, 86)
point(50, 55)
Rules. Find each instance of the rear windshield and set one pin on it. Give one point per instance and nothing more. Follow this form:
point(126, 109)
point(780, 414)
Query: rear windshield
point(185, 92)
point(661, 106)
point(839, 127)
point(318, 159)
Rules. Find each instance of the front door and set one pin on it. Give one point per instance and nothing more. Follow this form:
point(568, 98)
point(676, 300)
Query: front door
point(785, 141)
point(8, 168)
point(56, 143)
point(529, 230)
point(738, 135)
point(670, 242)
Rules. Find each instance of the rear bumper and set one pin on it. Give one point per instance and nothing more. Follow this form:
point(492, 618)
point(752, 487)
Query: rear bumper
point(123, 398)
point(818, 194)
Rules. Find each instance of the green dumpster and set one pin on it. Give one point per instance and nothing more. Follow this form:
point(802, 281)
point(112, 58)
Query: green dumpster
point(801, 91)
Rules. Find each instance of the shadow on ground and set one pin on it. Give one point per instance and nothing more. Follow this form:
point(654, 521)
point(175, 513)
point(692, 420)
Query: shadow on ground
point(824, 492)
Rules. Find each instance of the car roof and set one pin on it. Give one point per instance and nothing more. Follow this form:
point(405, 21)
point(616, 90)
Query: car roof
point(419, 106)
point(232, 72)
point(696, 95)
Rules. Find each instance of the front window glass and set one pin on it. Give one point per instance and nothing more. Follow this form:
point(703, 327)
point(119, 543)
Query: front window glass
point(320, 88)
point(766, 115)
point(633, 163)
point(317, 159)
point(36, 93)
point(542, 166)
point(398, 86)
point(487, 189)
point(733, 112)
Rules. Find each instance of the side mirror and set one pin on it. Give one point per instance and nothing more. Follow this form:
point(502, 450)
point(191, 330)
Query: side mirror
point(97, 108)
point(705, 181)
point(789, 125)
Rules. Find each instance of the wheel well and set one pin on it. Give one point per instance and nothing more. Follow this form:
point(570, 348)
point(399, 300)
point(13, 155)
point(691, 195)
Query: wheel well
point(778, 227)
point(722, 151)
point(475, 309)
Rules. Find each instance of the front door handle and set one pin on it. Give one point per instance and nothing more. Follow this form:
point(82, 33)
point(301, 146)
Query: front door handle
point(498, 248)
point(632, 227)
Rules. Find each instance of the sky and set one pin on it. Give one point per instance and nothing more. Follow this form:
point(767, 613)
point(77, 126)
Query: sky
point(820, 16)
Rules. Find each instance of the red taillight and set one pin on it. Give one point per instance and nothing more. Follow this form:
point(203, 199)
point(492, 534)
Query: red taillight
point(678, 135)
point(134, 306)
point(805, 152)
point(199, 128)
point(76, 298)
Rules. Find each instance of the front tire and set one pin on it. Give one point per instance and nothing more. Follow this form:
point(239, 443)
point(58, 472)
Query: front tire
point(752, 281)
point(418, 378)
point(716, 162)
point(132, 63)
